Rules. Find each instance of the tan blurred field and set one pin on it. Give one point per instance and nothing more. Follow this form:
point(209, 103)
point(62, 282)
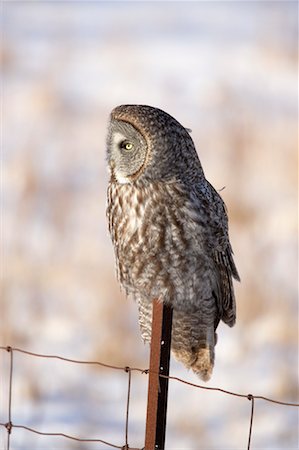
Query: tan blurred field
point(228, 71)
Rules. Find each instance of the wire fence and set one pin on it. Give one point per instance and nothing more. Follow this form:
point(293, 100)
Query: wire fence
point(9, 425)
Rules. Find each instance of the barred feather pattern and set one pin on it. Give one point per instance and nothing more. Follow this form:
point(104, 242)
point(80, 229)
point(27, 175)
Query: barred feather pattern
point(160, 249)
point(169, 230)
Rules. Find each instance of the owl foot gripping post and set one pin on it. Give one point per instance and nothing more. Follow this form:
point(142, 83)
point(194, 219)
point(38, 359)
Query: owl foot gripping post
point(169, 228)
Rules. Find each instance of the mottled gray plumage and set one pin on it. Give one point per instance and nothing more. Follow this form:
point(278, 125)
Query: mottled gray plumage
point(169, 230)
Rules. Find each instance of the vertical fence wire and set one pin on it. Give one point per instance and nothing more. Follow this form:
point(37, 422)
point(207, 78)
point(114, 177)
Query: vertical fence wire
point(9, 423)
point(127, 408)
point(251, 398)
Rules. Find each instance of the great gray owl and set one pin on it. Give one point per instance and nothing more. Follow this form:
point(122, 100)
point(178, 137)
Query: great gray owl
point(169, 230)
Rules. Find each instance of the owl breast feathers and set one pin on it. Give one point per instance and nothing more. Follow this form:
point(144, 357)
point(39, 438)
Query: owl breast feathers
point(169, 230)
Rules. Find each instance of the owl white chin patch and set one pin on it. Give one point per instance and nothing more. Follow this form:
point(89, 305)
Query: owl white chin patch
point(121, 179)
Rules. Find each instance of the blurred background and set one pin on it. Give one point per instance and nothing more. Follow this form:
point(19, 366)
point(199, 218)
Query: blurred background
point(228, 71)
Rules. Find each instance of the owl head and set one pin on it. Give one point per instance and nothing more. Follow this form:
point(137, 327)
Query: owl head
point(147, 143)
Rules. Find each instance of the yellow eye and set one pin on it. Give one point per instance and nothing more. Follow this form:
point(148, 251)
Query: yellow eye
point(126, 145)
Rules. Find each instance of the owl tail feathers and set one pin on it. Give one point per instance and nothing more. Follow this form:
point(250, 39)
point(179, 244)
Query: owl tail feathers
point(200, 360)
point(204, 363)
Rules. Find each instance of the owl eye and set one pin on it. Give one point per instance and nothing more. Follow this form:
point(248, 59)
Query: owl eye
point(126, 145)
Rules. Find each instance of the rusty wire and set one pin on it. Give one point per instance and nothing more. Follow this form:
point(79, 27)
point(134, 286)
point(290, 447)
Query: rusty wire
point(75, 361)
point(58, 434)
point(251, 398)
point(9, 425)
point(128, 406)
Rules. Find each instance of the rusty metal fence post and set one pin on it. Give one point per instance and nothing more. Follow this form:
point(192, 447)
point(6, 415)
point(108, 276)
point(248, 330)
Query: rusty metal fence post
point(158, 386)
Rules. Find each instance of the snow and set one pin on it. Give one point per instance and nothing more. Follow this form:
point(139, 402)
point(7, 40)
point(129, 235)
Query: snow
point(228, 71)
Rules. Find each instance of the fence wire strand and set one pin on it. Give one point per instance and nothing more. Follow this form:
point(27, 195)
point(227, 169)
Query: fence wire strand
point(128, 406)
point(59, 434)
point(251, 398)
point(9, 425)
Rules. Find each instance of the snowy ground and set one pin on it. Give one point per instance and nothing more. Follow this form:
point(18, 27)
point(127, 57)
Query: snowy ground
point(228, 71)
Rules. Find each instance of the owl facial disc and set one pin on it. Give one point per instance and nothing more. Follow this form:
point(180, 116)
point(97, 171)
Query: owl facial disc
point(126, 150)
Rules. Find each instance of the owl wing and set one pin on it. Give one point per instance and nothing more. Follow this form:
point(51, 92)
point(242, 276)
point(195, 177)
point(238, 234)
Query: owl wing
point(216, 242)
